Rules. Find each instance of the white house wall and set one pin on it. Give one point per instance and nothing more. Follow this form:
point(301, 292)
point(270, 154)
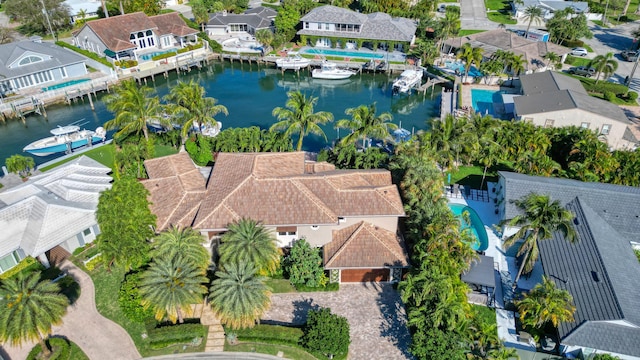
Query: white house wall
point(324, 233)
point(88, 40)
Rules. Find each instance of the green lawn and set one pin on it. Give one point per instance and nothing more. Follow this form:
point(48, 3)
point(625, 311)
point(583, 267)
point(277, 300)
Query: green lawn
point(103, 154)
point(501, 17)
point(280, 285)
point(164, 150)
point(76, 353)
point(271, 349)
point(577, 61)
point(487, 314)
point(496, 4)
point(471, 176)
point(469, 32)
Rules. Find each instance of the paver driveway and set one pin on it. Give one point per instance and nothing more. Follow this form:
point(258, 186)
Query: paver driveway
point(375, 312)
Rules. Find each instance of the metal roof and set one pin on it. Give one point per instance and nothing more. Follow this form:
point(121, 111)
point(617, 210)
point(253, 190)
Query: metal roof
point(481, 272)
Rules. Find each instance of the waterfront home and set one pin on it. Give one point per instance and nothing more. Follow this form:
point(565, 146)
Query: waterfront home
point(551, 99)
point(32, 63)
point(328, 25)
point(51, 214)
point(600, 269)
point(353, 214)
point(224, 23)
point(532, 51)
point(549, 7)
point(78, 7)
point(130, 35)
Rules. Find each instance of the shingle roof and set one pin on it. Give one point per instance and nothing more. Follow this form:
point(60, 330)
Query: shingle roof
point(616, 204)
point(500, 39)
point(172, 24)
point(54, 55)
point(364, 245)
point(379, 26)
point(254, 185)
point(258, 18)
point(539, 97)
point(52, 207)
point(601, 272)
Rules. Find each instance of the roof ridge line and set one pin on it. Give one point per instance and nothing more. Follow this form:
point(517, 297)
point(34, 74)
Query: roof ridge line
point(224, 200)
point(382, 242)
point(316, 200)
point(174, 210)
point(387, 200)
point(344, 245)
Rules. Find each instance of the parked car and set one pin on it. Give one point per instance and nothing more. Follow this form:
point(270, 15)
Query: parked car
point(443, 7)
point(582, 71)
point(630, 55)
point(579, 51)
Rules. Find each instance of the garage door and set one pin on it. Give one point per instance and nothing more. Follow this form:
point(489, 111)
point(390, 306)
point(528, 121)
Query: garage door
point(364, 275)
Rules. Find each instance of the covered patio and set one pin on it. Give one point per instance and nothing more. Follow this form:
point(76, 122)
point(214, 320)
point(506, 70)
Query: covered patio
point(482, 281)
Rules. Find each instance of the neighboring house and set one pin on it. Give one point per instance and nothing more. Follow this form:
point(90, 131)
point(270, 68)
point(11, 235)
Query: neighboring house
point(600, 269)
point(326, 24)
point(551, 99)
point(27, 64)
point(532, 51)
point(129, 35)
point(90, 8)
point(549, 7)
point(352, 213)
point(252, 20)
point(54, 211)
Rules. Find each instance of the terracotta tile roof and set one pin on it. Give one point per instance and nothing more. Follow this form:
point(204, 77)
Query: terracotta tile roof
point(114, 31)
point(176, 188)
point(364, 245)
point(273, 188)
point(172, 23)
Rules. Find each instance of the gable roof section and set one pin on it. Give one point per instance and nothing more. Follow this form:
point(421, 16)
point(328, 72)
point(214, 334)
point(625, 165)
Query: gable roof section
point(616, 204)
point(11, 52)
point(262, 11)
point(256, 19)
point(364, 245)
point(51, 207)
point(114, 31)
point(599, 270)
point(171, 24)
point(379, 26)
point(549, 81)
point(176, 188)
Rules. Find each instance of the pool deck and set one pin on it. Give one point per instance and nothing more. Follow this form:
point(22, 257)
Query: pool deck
point(505, 267)
point(466, 92)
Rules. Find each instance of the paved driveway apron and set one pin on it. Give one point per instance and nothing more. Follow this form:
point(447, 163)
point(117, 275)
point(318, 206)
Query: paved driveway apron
point(473, 15)
point(375, 313)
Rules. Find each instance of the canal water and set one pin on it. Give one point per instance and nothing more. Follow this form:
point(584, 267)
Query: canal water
point(250, 92)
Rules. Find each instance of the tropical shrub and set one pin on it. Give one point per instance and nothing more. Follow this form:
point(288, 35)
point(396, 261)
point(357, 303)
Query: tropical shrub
point(304, 265)
point(60, 349)
point(27, 263)
point(94, 263)
point(609, 96)
point(633, 96)
point(326, 333)
point(199, 148)
point(164, 55)
point(130, 300)
point(20, 165)
point(175, 334)
point(125, 64)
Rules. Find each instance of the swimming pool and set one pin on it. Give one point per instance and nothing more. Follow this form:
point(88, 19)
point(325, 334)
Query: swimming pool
point(343, 53)
point(481, 242)
point(454, 65)
point(64, 84)
point(149, 56)
point(483, 100)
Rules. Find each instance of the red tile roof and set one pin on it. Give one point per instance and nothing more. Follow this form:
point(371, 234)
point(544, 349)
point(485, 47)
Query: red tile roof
point(364, 245)
point(172, 23)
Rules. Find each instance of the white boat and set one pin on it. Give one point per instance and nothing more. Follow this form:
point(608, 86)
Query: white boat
point(65, 139)
point(211, 131)
point(330, 70)
point(407, 81)
point(292, 62)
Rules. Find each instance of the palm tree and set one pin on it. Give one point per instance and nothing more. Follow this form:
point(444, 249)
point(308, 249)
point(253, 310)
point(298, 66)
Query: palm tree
point(552, 57)
point(532, 14)
point(185, 242)
point(265, 37)
point(449, 26)
point(189, 104)
point(134, 107)
point(546, 303)
point(298, 117)
point(516, 63)
point(540, 219)
point(365, 124)
point(28, 308)
point(239, 297)
point(470, 55)
point(170, 286)
point(249, 241)
point(604, 64)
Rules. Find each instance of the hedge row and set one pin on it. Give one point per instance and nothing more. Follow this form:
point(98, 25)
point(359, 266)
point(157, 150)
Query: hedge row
point(61, 350)
point(273, 334)
point(86, 53)
point(169, 335)
point(27, 263)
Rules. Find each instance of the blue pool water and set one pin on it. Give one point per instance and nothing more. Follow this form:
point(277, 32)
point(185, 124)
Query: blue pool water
point(345, 53)
point(64, 84)
point(454, 65)
point(149, 56)
point(481, 242)
point(483, 100)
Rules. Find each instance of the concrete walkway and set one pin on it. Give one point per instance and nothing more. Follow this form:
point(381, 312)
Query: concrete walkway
point(99, 337)
point(473, 15)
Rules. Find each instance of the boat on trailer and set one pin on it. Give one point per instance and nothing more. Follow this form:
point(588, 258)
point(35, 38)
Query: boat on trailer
point(331, 71)
point(407, 80)
point(65, 139)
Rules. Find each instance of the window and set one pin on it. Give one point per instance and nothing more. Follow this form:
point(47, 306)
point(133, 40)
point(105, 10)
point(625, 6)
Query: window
point(29, 60)
point(341, 220)
point(549, 123)
point(63, 71)
point(132, 37)
point(291, 233)
point(306, 25)
point(326, 26)
point(87, 232)
point(149, 33)
point(282, 233)
point(605, 129)
point(584, 125)
point(166, 41)
point(8, 261)
point(315, 227)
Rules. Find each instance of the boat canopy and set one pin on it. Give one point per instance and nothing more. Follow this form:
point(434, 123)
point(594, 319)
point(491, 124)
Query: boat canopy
point(63, 130)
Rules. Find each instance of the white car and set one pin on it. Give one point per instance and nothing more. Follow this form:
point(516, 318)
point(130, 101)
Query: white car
point(579, 51)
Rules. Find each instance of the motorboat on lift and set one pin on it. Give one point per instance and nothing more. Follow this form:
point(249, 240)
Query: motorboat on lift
point(331, 71)
point(292, 62)
point(65, 139)
point(407, 80)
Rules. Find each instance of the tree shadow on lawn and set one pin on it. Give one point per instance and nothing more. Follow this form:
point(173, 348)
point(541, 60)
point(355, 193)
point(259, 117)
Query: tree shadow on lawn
point(394, 319)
